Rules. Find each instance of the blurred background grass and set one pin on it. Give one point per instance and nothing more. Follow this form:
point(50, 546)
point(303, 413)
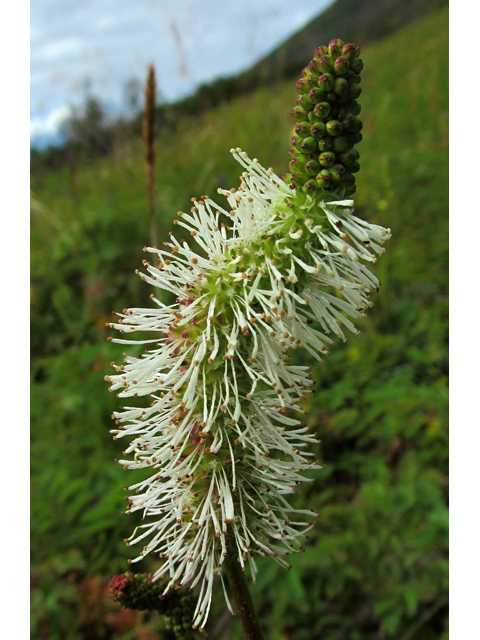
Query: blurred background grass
point(375, 565)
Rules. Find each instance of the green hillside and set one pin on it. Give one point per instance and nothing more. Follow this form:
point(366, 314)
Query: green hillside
point(376, 563)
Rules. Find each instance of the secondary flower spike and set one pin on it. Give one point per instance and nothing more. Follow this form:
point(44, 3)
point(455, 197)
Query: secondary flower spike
point(323, 157)
point(136, 591)
point(280, 267)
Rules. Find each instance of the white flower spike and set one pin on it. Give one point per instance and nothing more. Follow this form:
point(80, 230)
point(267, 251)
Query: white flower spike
point(278, 270)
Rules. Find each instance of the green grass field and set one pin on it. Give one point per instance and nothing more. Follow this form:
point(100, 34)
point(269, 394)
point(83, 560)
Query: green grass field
point(375, 565)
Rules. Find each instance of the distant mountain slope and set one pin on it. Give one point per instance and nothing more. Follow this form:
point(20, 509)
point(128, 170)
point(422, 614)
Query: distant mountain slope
point(359, 21)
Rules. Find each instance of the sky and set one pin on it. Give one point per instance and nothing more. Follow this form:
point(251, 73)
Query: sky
point(94, 47)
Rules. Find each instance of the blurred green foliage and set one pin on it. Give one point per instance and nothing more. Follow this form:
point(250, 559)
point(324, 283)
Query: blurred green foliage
point(375, 565)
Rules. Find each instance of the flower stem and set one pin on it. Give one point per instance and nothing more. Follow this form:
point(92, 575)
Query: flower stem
point(243, 599)
point(149, 138)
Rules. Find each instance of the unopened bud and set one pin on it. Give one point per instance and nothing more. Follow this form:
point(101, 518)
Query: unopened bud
point(303, 85)
point(310, 185)
point(331, 97)
point(354, 167)
point(337, 171)
point(348, 179)
point(348, 158)
point(350, 190)
point(334, 128)
point(309, 145)
point(297, 165)
point(335, 47)
point(341, 144)
point(326, 82)
point(355, 138)
point(302, 130)
point(341, 66)
point(350, 51)
point(322, 110)
point(299, 178)
point(324, 64)
point(304, 102)
point(325, 144)
point(340, 87)
point(354, 108)
point(320, 51)
point(299, 114)
point(310, 69)
point(352, 123)
point(356, 65)
point(326, 159)
point(323, 178)
point(315, 95)
point(312, 167)
point(354, 91)
point(318, 129)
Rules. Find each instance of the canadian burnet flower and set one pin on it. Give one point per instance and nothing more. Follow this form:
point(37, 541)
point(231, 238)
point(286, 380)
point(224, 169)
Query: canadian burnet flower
point(279, 268)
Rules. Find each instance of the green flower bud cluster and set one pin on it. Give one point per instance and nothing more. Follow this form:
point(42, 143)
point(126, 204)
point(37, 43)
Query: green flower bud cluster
point(326, 112)
point(137, 591)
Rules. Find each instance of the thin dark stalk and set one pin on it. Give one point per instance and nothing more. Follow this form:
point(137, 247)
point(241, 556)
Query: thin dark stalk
point(243, 599)
point(149, 138)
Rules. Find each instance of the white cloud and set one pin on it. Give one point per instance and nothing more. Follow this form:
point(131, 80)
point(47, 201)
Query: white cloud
point(56, 49)
point(50, 124)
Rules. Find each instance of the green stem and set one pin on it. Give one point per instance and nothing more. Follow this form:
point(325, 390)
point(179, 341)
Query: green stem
point(243, 599)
